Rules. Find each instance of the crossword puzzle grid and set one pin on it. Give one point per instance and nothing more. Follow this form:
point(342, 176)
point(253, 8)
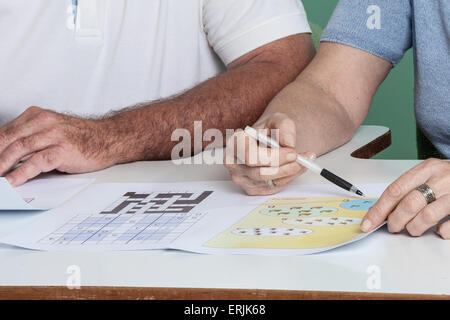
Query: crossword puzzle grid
point(146, 218)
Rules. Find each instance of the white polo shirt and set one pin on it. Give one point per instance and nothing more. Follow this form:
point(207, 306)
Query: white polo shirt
point(101, 55)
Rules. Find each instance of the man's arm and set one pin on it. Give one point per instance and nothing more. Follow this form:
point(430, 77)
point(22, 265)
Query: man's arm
point(49, 141)
point(231, 100)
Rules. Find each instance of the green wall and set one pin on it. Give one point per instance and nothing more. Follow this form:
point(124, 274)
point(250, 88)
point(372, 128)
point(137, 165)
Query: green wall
point(393, 105)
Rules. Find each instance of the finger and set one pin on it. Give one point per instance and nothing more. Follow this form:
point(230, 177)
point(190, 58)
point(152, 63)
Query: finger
point(20, 120)
point(43, 161)
point(286, 129)
point(444, 230)
point(251, 187)
point(22, 148)
point(254, 155)
point(262, 188)
point(282, 182)
point(407, 209)
point(274, 173)
point(429, 216)
point(397, 191)
point(29, 123)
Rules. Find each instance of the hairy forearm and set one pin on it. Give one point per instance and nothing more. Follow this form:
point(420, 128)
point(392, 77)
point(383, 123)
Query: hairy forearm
point(229, 101)
point(322, 122)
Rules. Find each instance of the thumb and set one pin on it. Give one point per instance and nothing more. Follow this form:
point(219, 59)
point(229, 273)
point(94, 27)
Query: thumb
point(287, 134)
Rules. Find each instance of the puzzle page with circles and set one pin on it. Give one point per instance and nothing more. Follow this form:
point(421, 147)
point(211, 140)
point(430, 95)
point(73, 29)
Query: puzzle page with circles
point(297, 223)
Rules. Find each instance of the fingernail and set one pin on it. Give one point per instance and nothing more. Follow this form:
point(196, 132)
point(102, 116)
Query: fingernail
point(313, 157)
point(289, 140)
point(365, 226)
point(291, 157)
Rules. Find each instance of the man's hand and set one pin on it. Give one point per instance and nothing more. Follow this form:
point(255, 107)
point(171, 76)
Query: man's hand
point(405, 207)
point(252, 166)
point(233, 99)
point(44, 141)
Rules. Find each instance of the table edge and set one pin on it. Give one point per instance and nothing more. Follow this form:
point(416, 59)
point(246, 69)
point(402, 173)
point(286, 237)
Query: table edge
point(373, 147)
point(153, 293)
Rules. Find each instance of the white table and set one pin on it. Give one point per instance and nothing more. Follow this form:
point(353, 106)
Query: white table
point(410, 266)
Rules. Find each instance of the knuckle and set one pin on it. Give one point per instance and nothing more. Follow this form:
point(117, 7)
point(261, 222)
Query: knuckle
point(409, 205)
point(280, 116)
point(33, 109)
point(28, 143)
point(45, 116)
point(49, 158)
point(294, 169)
point(68, 146)
point(430, 215)
point(18, 145)
point(53, 132)
point(286, 122)
point(394, 190)
point(432, 162)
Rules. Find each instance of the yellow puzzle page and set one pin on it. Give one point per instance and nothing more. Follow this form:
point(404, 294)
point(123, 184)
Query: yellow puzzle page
point(297, 223)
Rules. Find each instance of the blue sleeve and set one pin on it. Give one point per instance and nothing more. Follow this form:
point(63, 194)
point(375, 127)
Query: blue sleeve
point(380, 27)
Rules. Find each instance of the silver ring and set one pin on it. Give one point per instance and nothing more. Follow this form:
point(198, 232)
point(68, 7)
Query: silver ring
point(427, 193)
point(271, 184)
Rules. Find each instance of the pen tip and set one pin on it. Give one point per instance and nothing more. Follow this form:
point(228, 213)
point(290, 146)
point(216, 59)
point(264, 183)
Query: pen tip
point(359, 193)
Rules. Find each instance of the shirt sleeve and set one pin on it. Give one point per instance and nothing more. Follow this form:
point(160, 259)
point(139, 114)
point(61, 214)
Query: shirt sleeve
point(380, 27)
point(236, 27)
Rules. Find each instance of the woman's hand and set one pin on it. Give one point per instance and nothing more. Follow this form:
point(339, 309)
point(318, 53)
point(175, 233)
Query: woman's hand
point(260, 170)
point(405, 207)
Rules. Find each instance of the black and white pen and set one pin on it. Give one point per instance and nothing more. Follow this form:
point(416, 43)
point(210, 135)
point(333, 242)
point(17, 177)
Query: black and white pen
point(255, 134)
